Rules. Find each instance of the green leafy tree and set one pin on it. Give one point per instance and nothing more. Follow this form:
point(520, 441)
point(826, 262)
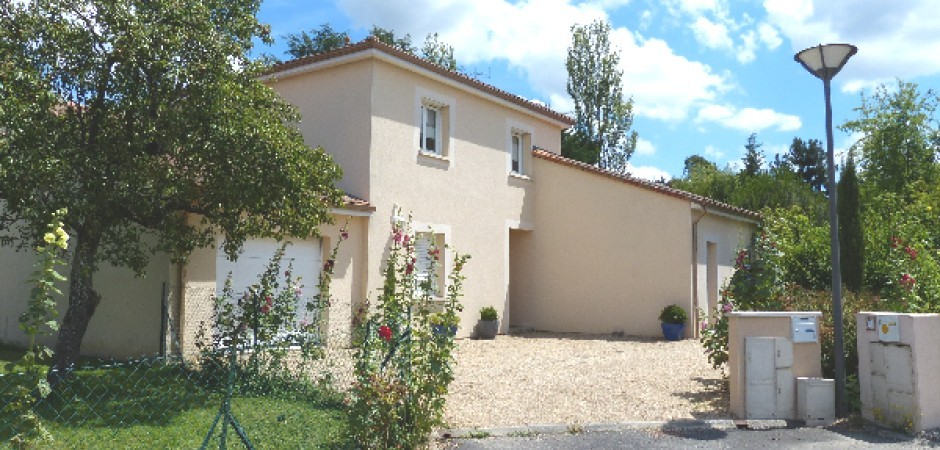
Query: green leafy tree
point(402, 43)
point(601, 134)
point(753, 157)
point(146, 117)
point(317, 41)
point(851, 239)
point(704, 178)
point(438, 52)
point(899, 144)
point(809, 161)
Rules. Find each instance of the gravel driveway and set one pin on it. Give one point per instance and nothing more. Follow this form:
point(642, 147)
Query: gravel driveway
point(553, 378)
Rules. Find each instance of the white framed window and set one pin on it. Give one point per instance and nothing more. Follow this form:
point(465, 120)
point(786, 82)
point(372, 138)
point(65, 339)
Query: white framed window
point(429, 262)
point(516, 152)
point(520, 142)
point(431, 129)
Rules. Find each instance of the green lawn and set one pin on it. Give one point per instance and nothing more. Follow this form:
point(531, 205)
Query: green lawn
point(156, 405)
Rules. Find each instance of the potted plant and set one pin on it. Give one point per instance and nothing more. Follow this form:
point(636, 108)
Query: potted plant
point(673, 319)
point(443, 324)
point(489, 323)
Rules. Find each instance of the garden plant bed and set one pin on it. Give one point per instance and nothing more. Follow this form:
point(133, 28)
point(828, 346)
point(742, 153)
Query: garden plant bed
point(563, 378)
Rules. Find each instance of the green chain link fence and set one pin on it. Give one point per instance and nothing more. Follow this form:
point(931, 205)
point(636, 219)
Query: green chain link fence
point(171, 402)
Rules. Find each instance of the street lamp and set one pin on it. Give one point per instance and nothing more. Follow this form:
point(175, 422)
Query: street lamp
point(824, 62)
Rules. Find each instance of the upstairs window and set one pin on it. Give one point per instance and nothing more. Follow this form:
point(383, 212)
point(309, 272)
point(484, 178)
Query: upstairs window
point(516, 152)
point(431, 125)
point(519, 144)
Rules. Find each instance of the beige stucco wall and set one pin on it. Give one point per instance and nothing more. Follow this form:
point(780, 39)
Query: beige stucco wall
point(468, 195)
point(728, 236)
point(127, 321)
point(604, 256)
point(335, 104)
point(807, 357)
point(347, 287)
point(922, 333)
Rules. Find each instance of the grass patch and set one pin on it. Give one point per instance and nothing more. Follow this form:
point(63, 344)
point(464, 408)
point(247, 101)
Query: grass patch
point(155, 404)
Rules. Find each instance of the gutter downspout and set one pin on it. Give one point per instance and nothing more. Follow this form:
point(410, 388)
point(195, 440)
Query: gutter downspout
point(695, 311)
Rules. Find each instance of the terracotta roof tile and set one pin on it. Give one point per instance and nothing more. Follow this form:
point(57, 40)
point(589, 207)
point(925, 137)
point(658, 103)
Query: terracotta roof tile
point(371, 43)
point(657, 187)
point(356, 203)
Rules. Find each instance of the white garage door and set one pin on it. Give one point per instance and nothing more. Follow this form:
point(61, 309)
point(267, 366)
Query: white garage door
point(304, 256)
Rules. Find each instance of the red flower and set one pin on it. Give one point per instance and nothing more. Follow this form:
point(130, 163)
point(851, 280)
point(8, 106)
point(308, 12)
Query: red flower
point(265, 309)
point(343, 234)
point(385, 332)
point(328, 265)
point(908, 281)
point(911, 252)
point(268, 301)
point(895, 241)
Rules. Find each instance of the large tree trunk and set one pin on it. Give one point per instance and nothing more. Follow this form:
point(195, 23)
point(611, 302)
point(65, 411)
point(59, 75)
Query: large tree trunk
point(83, 300)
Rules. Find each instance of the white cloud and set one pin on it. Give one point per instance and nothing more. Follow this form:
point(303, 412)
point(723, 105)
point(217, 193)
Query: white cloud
point(745, 53)
point(713, 152)
point(534, 35)
point(895, 39)
point(663, 84)
point(711, 34)
point(748, 119)
point(644, 147)
point(648, 172)
point(769, 36)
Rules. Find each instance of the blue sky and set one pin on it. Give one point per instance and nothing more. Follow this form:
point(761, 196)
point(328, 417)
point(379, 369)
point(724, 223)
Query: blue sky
point(704, 74)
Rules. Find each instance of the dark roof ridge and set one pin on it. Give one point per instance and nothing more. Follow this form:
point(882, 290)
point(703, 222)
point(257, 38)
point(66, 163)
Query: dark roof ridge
point(372, 43)
point(661, 188)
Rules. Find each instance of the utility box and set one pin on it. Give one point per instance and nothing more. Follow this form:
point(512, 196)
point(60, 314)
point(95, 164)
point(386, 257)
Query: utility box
point(899, 369)
point(767, 351)
point(769, 393)
point(816, 401)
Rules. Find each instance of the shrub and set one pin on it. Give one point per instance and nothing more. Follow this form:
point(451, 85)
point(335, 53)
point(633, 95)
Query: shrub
point(403, 368)
point(673, 314)
point(488, 313)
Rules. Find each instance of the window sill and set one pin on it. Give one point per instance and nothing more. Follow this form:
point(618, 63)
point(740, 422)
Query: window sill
point(519, 176)
point(433, 156)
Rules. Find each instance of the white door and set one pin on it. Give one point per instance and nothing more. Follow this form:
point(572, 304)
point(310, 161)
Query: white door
point(304, 258)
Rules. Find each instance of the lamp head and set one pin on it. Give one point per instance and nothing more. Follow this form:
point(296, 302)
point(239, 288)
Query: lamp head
point(825, 61)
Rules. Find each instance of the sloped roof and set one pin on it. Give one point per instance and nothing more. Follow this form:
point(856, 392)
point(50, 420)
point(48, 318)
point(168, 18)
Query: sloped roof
point(356, 203)
point(373, 44)
point(649, 185)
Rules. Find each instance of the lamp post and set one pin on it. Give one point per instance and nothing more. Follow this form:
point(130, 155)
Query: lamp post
point(824, 62)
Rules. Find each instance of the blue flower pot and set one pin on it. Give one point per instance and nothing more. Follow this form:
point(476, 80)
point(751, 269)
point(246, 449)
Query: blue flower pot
point(673, 331)
point(441, 330)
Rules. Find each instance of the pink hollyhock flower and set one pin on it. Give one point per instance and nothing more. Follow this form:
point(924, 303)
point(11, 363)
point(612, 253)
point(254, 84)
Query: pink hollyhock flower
point(268, 301)
point(265, 309)
point(385, 332)
point(911, 252)
point(727, 307)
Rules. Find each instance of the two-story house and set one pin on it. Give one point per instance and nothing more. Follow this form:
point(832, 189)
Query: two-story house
point(555, 244)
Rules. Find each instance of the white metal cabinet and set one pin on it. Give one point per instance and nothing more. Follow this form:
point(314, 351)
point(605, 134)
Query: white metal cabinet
point(770, 387)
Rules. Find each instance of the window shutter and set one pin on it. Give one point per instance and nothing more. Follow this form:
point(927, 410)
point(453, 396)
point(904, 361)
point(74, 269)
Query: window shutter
point(423, 260)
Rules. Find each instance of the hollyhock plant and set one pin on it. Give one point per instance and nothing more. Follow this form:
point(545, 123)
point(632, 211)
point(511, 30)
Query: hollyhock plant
point(403, 367)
